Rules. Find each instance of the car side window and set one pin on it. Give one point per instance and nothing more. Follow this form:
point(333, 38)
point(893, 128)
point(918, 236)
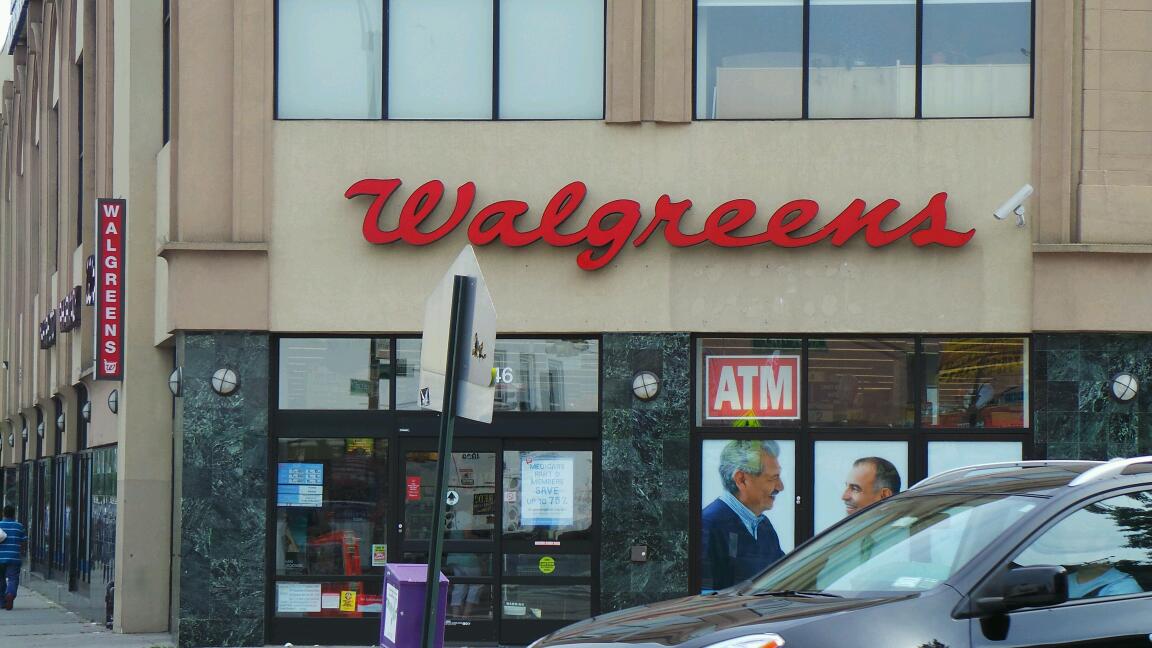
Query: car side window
point(1106, 547)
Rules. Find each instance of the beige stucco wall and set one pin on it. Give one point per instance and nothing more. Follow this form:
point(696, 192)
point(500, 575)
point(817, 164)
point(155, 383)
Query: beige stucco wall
point(1116, 183)
point(1094, 166)
point(1093, 291)
point(325, 277)
point(102, 429)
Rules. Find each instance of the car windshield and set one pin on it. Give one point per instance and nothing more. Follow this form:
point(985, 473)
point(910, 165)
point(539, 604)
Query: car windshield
point(901, 545)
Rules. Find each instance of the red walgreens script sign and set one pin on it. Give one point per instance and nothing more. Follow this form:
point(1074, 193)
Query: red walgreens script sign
point(413, 488)
point(753, 387)
point(609, 228)
point(110, 216)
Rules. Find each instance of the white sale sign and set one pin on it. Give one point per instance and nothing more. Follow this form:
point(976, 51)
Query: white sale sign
point(547, 491)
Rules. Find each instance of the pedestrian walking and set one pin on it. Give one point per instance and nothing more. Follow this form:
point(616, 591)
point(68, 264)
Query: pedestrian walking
point(15, 537)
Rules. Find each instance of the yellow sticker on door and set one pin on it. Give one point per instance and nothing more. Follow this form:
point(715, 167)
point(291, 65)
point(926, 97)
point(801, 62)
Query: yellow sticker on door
point(547, 565)
point(347, 601)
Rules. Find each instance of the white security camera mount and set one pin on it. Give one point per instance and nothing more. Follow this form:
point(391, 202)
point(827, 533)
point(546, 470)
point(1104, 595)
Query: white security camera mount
point(1014, 205)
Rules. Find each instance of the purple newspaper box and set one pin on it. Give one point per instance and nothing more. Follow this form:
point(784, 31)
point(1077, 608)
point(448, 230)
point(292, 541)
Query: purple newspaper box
point(402, 620)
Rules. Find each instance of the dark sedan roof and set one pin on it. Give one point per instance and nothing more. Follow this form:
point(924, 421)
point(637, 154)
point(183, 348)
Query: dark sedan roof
point(1037, 478)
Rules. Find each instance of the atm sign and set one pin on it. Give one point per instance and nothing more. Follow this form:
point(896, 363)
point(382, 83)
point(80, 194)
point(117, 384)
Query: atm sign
point(752, 387)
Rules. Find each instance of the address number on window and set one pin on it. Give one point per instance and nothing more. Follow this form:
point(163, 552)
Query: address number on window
point(503, 374)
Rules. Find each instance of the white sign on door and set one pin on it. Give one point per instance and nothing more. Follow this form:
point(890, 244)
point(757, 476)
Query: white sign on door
point(547, 491)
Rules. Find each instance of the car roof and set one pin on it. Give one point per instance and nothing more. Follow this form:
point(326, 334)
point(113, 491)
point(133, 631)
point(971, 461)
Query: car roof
point(1032, 477)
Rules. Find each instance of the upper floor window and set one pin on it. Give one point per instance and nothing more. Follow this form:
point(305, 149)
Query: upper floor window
point(793, 59)
point(440, 59)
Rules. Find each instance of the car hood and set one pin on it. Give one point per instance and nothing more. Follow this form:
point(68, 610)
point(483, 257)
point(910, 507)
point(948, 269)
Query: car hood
point(679, 621)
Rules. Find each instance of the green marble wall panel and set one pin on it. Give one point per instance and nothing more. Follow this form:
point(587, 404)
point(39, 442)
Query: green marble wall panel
point(646, 458)
point(223, 442)
point(1075, 414)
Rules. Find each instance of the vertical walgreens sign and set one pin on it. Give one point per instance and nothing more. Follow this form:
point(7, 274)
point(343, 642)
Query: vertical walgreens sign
point(110, 216)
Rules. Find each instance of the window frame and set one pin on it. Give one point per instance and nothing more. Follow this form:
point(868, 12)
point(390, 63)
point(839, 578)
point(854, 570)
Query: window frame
point(805, 71)
point(806, 435)
point(1005, 558)
point(384, 103)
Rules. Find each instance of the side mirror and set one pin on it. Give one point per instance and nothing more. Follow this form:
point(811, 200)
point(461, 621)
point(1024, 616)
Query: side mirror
point(1022, 587)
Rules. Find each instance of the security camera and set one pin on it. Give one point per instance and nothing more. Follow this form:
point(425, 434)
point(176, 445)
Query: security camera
point(1014, 205)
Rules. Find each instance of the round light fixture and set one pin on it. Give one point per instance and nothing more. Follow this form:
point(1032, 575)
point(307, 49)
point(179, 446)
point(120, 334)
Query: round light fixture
point(114, 401)
point(40, 429)
point(1124, 387)
point(225, 382)
point(175, 381)
point(645, 385)
point(60, 422)
point(86, 411)
point(11, 439)
point(24, 432)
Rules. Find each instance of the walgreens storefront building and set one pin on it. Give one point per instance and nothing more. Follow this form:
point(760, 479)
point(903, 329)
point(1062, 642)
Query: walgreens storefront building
point(651, 327)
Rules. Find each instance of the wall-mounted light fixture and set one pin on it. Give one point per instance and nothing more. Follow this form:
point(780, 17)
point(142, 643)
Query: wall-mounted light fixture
point(645, 385)
point(40, 429)
point(176, 381)
point(5, 363)
point(86, 411)
point(114, 401)
point(225, 382)
point(1124, 387)
point(60, 422)
point(11, 439)
point(24, 432)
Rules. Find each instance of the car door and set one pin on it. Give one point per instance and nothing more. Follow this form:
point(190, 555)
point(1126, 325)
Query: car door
point(1106, 546)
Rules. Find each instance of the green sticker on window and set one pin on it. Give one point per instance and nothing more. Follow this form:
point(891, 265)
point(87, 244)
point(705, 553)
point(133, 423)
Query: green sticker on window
point(547, 565)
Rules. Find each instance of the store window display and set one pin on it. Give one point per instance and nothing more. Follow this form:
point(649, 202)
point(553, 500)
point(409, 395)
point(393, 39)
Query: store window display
point(332, 517)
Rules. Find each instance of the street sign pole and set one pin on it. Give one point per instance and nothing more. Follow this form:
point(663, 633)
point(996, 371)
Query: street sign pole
point(444, 458)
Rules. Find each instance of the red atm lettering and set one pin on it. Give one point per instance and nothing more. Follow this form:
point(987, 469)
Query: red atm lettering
point(753, 387)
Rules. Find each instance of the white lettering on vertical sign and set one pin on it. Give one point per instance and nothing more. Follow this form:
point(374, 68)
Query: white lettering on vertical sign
point(111, 214)
point(547, 491)
point(753, 387)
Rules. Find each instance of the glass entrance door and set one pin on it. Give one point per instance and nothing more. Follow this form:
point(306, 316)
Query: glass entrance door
point(520, 534)
point(470, 529)
point(550, 530)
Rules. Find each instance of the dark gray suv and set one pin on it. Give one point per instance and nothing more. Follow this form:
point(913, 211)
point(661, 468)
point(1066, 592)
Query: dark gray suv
point(1032, 553)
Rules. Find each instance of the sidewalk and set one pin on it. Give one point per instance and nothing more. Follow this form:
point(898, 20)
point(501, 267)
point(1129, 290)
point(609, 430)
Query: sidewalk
point(36, 622)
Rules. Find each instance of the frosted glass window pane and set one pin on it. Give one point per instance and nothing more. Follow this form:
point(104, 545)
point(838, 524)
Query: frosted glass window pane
point(749, 61)
point(551, 59)
point(330, 59)
point(862, 59)
point(977, 58)
point(440, 59)
point(947, 455)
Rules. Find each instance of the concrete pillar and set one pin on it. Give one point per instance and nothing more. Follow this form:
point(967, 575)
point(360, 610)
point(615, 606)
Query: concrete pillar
point(134, 33)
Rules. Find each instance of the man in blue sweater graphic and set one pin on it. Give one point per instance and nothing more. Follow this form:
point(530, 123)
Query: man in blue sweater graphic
point(738, 540)
point(10, 557)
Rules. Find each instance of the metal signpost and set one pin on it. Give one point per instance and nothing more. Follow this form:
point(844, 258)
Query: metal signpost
point(462, 386)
